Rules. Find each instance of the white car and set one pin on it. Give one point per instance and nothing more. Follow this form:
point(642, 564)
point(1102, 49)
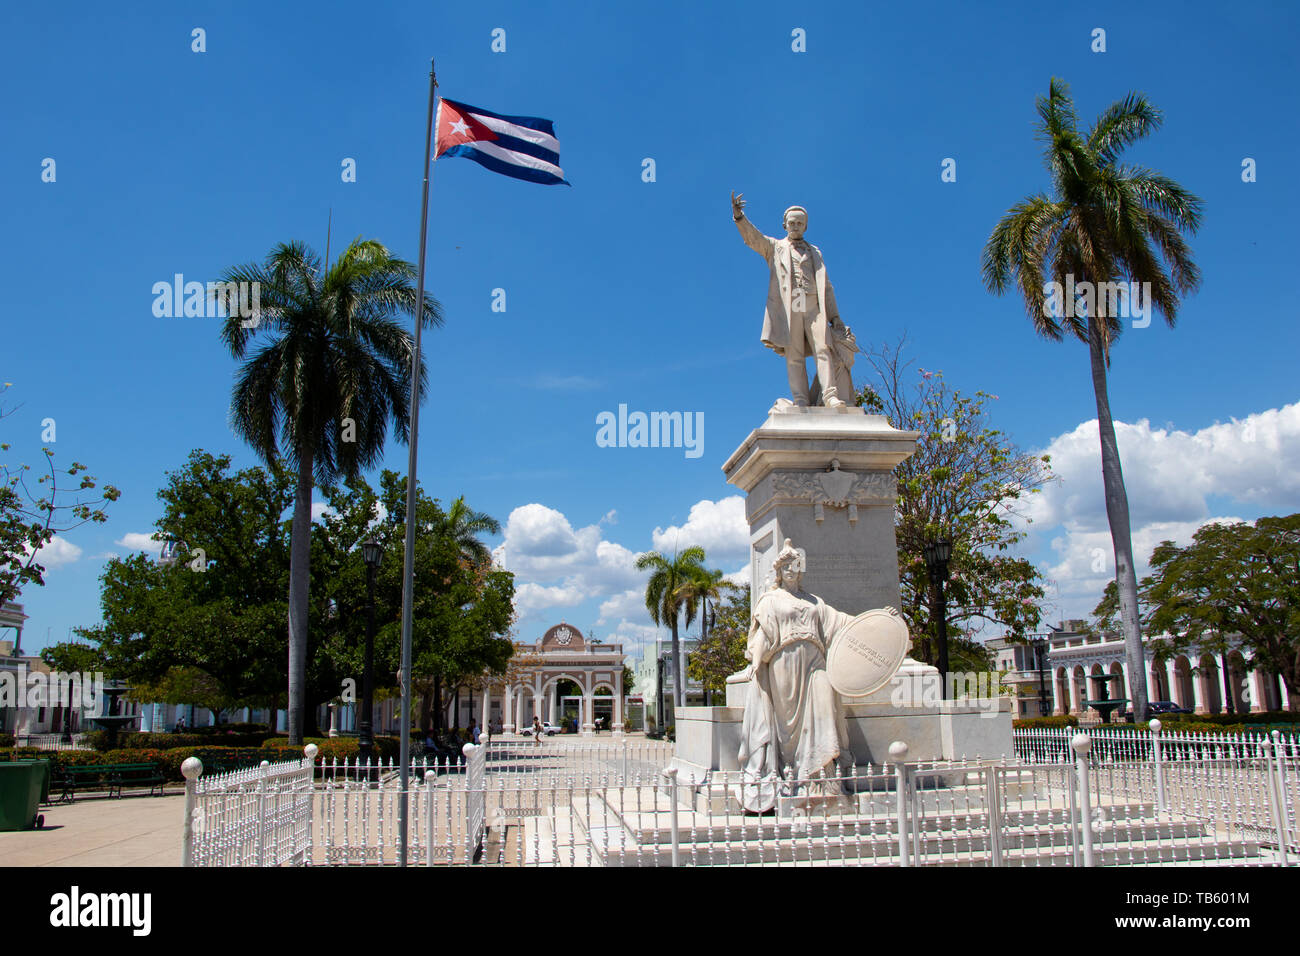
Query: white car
point(549, 729)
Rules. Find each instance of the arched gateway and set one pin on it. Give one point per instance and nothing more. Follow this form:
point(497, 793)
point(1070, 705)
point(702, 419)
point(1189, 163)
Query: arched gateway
point(542, 678)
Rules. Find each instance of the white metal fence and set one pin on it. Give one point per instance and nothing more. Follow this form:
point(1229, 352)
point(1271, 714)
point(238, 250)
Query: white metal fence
point(260, 816)
point(1063, 800)
point(53, 741)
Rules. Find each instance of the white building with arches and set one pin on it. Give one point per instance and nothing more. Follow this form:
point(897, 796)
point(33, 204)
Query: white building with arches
point(540, 672)
point(1079, 661)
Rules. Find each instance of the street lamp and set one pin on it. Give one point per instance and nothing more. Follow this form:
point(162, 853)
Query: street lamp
point(1040, 654)
point(937, 553)
point(372, 553)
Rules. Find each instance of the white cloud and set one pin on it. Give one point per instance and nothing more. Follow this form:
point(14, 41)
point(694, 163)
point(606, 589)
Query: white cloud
point(558, 566)
point(1175, 480)
point(719, 527)
point(140, 541)
point(530, 598)
point(629, 603)
point(319, 509)
point(1170, 475)
point(57, 553)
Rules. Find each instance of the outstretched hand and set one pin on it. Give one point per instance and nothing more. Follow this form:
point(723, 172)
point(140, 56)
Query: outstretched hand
point(737, 205)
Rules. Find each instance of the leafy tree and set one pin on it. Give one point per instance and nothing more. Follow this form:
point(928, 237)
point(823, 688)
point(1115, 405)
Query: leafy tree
point(1105, 223)
point(722, 650)
point(665, 598)
point(966, 482)
point(335, 371)
point(463, 604)
point(203, 627)
point(32, 514)
point(1233, 580)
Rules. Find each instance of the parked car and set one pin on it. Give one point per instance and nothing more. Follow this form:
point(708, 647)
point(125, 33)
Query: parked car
point(1165, 707)
point(549, 729)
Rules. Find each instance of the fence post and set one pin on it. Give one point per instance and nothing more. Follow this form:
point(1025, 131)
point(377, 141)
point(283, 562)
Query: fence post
point(261, 814)
point(429, 777)
point(191, 769)
point(1081, 745)
point(898, 754)
point(671, 774)
point(1276, 797)
point(309, 754)
point(1160, 764)
point(995, 816)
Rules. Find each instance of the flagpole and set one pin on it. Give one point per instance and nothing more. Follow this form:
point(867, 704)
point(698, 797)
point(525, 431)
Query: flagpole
point(408, 568)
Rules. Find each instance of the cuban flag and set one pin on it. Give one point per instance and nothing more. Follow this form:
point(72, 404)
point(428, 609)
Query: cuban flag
point(524, 147)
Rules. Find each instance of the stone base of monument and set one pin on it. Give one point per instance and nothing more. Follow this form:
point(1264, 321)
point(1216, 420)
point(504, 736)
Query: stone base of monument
point(708, 738)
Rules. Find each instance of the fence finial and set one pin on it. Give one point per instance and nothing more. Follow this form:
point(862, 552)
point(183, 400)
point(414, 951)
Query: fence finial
point(310, 751)
point(192, 768)
point(898, 751)
point(1155, 725)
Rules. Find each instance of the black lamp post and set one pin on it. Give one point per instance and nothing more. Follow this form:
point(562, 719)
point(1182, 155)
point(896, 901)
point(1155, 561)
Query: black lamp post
point(937, 554)
point(372, 553)
point(1040, 654)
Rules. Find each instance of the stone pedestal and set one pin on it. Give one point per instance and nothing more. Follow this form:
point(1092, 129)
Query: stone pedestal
point(708, 738)
point(823, 477)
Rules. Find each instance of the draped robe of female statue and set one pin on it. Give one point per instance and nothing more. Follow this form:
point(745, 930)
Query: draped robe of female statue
point(793, 717)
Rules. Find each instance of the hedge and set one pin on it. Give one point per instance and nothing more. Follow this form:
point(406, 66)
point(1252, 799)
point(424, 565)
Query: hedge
point(335, 748)
point(1056, 720)
point(140, 740)
point(6, 740)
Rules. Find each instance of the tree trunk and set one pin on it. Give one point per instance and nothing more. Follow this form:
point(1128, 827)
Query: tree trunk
point(299, 584)
point(1120, 533)
point(679, 691)
point(437, 703)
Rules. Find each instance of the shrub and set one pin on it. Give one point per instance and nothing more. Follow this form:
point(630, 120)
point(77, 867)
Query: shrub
point(339, 748)
point(1055, 720)
point(139, 740)
point(6, 741)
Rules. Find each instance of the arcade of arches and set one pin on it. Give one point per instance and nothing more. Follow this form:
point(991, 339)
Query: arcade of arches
point(1194, 682)
point(562, 679)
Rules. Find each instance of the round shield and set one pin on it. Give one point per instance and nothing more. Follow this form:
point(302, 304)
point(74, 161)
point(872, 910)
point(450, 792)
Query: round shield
point(867, 652)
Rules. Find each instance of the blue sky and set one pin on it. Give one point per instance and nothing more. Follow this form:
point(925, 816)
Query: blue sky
point(625, 291)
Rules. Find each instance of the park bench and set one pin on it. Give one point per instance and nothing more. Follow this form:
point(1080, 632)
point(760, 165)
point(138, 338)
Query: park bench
point(111, 778)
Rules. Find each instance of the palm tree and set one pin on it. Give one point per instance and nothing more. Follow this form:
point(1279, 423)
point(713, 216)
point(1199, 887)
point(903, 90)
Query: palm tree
point(463, 525)
point(697, 592)
point(664, 598)
point(335, 371)
point(1105, 223)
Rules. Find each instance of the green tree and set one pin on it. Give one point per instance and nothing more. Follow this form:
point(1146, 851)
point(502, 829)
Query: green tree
point(1105, 223)
point(722, 650)
point(31, 514)
point(966, 482)
point(665, 598)
point(335, 372)
point(463, 604)
point(203, 626)
point(1234, 582)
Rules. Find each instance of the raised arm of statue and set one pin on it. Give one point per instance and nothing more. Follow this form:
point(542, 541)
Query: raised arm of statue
point(760, 243)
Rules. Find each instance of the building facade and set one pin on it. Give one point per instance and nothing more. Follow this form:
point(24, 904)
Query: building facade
point(1079, 662)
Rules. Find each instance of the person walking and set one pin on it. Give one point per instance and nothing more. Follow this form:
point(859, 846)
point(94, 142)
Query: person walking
point(537, 730)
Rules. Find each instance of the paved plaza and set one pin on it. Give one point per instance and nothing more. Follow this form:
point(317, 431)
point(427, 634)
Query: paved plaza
point(131, 831)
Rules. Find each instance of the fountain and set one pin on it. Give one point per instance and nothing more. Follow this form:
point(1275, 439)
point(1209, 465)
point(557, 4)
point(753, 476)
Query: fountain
point(114, 721)
point(1105, 704)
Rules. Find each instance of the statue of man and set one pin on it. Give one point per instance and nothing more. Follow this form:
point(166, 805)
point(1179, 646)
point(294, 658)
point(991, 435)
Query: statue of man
point(801, 316)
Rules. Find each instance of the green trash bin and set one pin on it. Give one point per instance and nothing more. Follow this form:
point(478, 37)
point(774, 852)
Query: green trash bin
point(21, 786)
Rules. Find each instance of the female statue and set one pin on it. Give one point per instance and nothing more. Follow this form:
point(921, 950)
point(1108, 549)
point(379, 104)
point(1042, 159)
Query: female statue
point(793, 717)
